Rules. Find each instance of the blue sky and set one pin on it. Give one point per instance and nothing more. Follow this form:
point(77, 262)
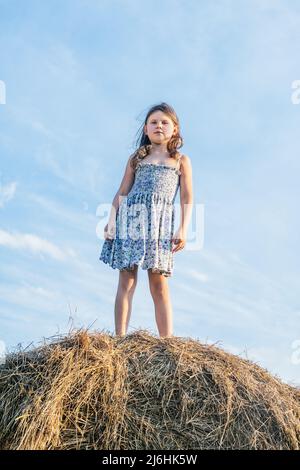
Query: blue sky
point(79, 77)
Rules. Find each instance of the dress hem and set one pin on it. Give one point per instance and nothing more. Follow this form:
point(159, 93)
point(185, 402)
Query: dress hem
point(130, 267)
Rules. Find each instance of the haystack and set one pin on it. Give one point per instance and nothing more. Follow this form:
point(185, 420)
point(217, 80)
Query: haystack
point(99, 391)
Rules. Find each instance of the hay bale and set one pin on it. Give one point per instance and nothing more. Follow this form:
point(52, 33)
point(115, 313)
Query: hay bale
point(99, 391)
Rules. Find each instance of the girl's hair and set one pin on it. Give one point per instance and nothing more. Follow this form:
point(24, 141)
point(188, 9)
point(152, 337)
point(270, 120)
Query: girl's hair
point(143, 142)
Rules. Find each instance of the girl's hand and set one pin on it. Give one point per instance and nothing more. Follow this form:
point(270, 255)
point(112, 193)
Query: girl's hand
point(110, 231)
point(179, 240)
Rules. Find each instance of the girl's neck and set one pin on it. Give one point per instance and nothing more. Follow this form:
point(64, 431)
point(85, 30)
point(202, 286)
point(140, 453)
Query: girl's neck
point(159, 150)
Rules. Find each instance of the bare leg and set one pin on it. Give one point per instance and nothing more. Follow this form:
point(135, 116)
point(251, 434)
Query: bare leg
point(159, 289)
point(123, 302)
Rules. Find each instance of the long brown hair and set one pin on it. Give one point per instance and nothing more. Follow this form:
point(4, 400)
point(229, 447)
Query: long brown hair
point(143, 142)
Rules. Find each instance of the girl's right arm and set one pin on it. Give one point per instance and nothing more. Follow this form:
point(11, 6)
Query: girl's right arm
point(125, 186)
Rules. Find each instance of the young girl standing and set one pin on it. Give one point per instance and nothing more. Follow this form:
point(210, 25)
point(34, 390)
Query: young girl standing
point(153, 174)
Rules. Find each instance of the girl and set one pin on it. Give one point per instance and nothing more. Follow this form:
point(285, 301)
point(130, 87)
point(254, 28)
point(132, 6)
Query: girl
point(145, 202)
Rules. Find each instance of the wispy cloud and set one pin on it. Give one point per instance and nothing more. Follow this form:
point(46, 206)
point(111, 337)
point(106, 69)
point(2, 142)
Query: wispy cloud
point(238, 295)
point(197, 275)
point(79, 218)
point(34, 244)
point(7, 192)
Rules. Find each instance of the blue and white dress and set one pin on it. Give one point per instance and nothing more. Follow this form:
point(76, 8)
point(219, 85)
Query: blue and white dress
point(145, 221)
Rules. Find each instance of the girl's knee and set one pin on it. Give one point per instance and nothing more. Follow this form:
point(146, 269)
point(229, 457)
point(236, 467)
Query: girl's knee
point(158, 289)
point(128, 280)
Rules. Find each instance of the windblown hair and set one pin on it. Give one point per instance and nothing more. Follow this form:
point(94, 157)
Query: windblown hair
point(143, 142)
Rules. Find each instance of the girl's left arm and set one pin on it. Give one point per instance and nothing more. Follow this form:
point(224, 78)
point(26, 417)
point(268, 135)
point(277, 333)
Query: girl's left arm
point(186, 202)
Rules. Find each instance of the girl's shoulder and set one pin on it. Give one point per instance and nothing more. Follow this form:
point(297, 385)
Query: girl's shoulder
point(185, 159)
point(184, 162)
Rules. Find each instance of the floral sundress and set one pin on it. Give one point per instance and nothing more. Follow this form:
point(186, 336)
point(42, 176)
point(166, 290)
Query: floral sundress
point(145, 221)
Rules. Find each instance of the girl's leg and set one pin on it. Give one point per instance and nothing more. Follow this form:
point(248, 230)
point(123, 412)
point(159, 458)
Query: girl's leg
point(159, 289)
point(123, 302)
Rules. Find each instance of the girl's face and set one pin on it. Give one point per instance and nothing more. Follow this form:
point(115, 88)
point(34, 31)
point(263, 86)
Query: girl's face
point(159, 127)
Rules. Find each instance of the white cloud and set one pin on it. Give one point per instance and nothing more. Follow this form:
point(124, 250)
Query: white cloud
point(7, 192)
point(40, 127)
point(197, 275)
point(35, 244)
point(78, 218)
point(31, 297)
point(238, 295)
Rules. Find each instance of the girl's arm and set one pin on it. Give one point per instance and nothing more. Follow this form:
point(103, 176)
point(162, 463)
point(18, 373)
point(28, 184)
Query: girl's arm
point(186, 203)
point(123, 190)
point(186, 193)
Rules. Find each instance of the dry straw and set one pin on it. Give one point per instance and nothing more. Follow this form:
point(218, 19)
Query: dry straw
point(99, 391)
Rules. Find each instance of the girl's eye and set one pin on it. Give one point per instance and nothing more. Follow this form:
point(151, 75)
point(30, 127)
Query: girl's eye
point(154, 122)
